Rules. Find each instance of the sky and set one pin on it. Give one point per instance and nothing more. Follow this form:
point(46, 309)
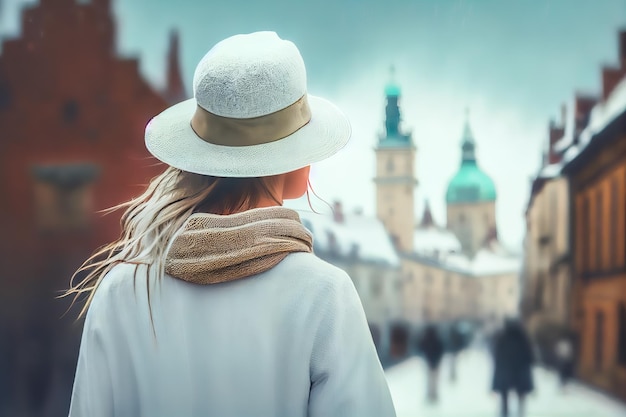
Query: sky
point(513, 63)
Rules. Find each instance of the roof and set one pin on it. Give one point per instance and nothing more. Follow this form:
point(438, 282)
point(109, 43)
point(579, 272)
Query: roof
point(358, 236)
point(551, 171)
point(601, 116)
point(470, 184)
point(485, 263)
point(435, 241)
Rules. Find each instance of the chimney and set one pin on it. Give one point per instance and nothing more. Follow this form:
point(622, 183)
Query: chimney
point(175, 88)
point(610, 78)
point(338, 212)
point(554, 135)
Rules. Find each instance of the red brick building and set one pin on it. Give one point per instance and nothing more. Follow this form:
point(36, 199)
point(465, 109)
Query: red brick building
point(72, 117)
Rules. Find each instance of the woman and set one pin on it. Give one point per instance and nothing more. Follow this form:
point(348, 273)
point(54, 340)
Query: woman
point(211, 303)
point(513, 359)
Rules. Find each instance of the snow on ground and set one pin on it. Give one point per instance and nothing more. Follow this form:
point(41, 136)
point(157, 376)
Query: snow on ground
point(470, 395)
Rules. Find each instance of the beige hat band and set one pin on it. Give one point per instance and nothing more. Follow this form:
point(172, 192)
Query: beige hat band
point(227, 131)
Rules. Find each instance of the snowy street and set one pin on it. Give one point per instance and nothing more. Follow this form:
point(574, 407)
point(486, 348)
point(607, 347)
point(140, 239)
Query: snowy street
point(469, 396)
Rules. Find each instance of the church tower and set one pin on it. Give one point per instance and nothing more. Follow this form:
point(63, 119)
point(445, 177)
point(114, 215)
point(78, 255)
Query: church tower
point(395, 179)
point(471, 199)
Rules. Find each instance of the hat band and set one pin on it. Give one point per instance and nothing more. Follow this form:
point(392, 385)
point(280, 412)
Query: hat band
point(228, 131)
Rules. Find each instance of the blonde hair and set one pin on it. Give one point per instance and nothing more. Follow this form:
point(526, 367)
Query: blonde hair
point(151, 219)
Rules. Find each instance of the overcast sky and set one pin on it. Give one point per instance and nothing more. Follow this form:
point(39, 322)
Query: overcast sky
point(512, 62)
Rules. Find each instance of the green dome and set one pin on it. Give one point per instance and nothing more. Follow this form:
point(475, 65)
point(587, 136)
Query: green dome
point(470, 185)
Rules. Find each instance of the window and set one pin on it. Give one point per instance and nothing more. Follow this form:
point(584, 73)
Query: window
point(621, 341)
point(599, 342)
point(599, 223)
point(615, 194)
point(584, 236)
point(63, 196)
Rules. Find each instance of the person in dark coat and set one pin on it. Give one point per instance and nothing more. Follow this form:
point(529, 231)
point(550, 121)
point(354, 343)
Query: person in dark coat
point(513, 359)
point(432, 349)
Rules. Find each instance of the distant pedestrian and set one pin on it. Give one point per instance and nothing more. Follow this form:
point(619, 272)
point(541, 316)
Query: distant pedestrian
point(432, 347)
point(565, 360)
point(455, 344)
point(513, 359)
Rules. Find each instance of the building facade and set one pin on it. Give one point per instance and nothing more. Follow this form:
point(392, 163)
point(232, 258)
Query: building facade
point(575, 259)
point(73, 115)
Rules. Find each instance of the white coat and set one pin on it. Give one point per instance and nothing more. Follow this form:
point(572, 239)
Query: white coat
point(289, 342)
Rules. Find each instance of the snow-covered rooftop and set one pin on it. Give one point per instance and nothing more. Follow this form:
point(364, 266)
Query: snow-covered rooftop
point(551, 171)
point(489, 263)
point(357, 236)
point(432, 240)
point(601, 116)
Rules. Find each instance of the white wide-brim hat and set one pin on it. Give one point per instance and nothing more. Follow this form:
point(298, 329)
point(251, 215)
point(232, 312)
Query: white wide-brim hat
point(251, 115)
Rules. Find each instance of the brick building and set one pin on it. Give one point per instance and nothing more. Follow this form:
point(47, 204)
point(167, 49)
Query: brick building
point(72, 116)
point(595, 164)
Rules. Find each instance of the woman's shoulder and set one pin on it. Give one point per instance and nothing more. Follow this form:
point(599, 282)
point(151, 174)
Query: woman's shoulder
point(313, 271)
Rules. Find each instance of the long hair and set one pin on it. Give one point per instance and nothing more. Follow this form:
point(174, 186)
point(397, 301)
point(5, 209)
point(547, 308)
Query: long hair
point(151, 219)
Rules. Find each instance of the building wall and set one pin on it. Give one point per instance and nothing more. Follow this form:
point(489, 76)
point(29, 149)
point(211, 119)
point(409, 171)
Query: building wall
point(471, 223)
point(599, 237)
point(395, 185)
point(66, 100)
point(436, 294)
point(547, 276)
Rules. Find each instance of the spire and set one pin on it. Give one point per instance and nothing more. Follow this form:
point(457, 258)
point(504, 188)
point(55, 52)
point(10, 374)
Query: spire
point(427, 218)
point(175, 89)
point(468, 145)
point(392, 111)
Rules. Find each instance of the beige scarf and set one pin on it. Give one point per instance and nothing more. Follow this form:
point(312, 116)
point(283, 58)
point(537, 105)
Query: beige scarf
point(211, 248)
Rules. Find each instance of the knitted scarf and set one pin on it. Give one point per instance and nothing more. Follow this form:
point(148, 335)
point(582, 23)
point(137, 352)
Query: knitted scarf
point(211, 248)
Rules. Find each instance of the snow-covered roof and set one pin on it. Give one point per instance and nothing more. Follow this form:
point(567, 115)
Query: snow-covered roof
point(489, 263)
point(551, 171)
point(433, 240)
point(601, 116)
point(485, 263)
point(571, 153)
point(606, 111)
point(357, 235)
